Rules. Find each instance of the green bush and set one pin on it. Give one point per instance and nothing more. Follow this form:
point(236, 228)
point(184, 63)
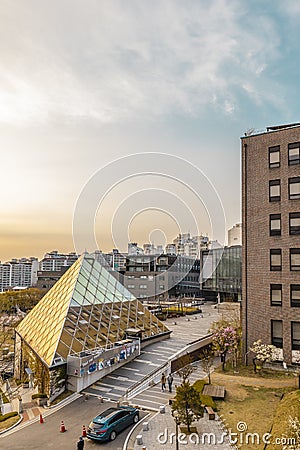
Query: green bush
point(39, 395)
point(199, 385)
point(8, 415)
point(4, 398)
point(207, 400)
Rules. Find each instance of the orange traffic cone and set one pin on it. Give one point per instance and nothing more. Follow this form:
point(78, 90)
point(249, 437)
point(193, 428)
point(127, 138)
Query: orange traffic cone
point(62, 427)
point(41, 419)
point(83, 431)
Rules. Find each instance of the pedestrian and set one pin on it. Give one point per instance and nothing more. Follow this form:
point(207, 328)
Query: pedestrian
point(163, 382)
point(170, 381)
point(80, 443)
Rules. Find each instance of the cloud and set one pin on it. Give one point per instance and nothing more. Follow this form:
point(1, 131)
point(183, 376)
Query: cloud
point(114, 61)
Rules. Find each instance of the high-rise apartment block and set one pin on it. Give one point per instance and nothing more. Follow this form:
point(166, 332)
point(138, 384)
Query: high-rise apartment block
point(271, 239)
point(18, 273)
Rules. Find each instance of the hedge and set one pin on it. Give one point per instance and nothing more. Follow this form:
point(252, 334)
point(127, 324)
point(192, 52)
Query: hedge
point(39, 395)
point(8, 415)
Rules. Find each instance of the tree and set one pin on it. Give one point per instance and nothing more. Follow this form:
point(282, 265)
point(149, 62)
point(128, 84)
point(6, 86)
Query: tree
point(206, 357)
point(226, 339)
point(263, 353)
point(186, 368)
point(187, 403)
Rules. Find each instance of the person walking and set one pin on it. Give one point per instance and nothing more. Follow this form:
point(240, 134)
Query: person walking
point(80, 443)
point(163, 382)
point(170, 381)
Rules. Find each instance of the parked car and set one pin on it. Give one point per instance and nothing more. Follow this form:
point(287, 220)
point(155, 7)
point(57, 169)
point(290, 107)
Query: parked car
point(112, 421)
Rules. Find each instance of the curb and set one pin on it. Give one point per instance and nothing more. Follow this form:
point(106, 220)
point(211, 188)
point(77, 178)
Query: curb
point(132, 430)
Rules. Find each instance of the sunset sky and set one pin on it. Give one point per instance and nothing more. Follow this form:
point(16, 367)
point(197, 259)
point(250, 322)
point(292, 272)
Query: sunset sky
point(85, 83)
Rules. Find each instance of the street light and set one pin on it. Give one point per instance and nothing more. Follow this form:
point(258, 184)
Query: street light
point(177, 422)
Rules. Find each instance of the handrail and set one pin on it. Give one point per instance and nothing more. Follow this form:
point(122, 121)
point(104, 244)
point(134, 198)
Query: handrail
point(142, 384)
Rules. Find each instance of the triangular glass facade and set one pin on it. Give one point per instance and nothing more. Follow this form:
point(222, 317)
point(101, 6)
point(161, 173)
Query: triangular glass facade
point(87, 308)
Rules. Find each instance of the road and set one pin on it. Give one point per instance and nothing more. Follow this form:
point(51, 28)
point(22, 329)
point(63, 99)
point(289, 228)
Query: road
point(48, 436)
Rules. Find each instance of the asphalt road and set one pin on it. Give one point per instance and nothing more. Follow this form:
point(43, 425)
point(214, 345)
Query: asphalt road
point(48, 436)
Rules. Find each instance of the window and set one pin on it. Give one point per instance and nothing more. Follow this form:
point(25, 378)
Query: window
point(276, 333)
point(294, 155)
point(130, 286)
point(274, 190)
point(295, 295)
point(276, 294)
point(275, 224)
point(143, 276)
point(274, 156)
point(161, 286)
point(294, 223)
point(294, 258)
point(143, 286)
point(295, 335)
point(275, 259)
point(294, 188)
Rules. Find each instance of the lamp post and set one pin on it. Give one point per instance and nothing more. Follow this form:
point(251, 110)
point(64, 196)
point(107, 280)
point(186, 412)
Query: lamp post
point(176, 418)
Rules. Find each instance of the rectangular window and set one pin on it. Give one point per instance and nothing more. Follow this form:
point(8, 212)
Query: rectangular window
point(294, 154)
point(274, 190)
point(161, 286)
point(143, 286)
point(276, 333)
point(294, 258)
point(294, 223)
point(295, 295)
point(275, 259)
point(294, 188)
point(295, 335)
point(276, 294)
point(274, 156)
point(131, 286)
point(275, 224)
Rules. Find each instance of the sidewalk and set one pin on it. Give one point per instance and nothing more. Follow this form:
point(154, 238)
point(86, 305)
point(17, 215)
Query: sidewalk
point(161, 432)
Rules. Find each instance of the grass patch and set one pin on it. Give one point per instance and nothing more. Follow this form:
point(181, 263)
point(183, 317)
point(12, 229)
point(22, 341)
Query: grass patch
point(9, 422)
point(247, 371)
point(288, 407)
point(61, 397)
point(252, 399)
point(206, 400)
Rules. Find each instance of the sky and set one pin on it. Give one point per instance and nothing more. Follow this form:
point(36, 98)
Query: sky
point(143, 103)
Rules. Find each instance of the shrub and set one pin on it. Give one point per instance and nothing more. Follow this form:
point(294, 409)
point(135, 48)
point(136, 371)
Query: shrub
point(39, 395)
point(4, 398)
point(207, 400)
point(199, 385)
point(8, 415)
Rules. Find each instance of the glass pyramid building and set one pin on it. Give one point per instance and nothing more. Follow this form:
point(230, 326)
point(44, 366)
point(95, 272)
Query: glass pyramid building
point(86, 309)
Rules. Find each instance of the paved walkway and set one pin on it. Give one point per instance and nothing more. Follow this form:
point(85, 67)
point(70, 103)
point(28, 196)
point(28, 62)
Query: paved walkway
point(209, 434)
point(185, 330)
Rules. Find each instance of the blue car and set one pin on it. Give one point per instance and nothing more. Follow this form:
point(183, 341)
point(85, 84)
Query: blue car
point(112, 421)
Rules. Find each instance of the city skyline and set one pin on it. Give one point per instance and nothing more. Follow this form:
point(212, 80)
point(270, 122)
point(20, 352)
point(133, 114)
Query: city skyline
point(83, 85)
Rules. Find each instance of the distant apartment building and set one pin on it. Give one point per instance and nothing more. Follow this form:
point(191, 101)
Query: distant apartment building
point(54, 261)
point(271, 239)
point(159, 277)
point(235, 235)
point(187, 245)
point(18, 273)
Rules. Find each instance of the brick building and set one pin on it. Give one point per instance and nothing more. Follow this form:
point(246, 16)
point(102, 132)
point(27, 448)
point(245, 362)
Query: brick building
point(271, 239)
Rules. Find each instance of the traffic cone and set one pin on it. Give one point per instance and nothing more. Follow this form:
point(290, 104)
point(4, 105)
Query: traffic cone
point(41, 419)
point(83, 431)
point(62, 427)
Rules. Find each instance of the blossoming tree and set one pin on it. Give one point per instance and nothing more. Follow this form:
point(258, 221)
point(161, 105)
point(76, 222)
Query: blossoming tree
point(263, 353)
point(226, 340)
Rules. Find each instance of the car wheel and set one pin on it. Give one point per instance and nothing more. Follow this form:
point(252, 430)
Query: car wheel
point(135, 418)
point(113, 435)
